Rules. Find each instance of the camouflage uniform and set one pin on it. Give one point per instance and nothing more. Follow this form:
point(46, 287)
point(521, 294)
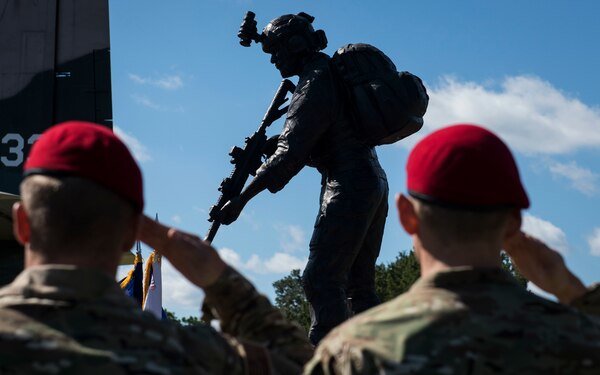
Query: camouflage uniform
point(63, 319)
point(463, 321)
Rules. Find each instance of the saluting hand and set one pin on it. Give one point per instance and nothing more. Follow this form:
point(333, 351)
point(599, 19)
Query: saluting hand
point(544, 267)
point(194, 258)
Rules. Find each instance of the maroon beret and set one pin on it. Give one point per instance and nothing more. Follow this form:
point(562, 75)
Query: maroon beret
point(465, 166)
point(90, 151)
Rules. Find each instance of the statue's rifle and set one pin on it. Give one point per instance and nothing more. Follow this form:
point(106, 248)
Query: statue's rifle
point(248, 159)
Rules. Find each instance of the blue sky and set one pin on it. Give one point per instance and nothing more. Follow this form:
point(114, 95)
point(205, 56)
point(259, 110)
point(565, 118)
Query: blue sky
point(185, 91)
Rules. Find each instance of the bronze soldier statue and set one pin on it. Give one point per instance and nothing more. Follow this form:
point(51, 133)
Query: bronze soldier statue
point(318, 132)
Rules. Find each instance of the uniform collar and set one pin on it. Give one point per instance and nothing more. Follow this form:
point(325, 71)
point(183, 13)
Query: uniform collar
point(464, 276)
point(61, 282)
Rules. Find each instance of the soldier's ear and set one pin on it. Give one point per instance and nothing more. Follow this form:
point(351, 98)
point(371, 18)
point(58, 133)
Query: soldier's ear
point(407, 214)
point(21, 227)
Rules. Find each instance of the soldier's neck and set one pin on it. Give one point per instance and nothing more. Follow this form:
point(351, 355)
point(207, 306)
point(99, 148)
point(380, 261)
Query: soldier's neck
point(101, 263)
point(435, 259)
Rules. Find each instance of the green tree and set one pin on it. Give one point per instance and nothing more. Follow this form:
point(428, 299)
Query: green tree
point(191, 321)
point(395, 278)
point(172, 317)
point(391, 280)
point(185, 321)
point(290, 299)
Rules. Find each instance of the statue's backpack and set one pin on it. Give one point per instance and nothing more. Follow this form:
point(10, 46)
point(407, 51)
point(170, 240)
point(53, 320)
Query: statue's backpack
point(387, 105)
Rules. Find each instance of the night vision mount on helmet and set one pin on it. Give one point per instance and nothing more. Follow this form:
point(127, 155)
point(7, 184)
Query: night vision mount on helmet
point(292, 31)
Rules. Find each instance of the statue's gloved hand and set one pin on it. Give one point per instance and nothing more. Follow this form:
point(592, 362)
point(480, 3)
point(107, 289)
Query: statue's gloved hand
point(231, 211)
point(270, 146)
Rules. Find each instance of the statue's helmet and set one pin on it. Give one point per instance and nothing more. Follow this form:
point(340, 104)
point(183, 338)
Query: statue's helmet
point(293, 32)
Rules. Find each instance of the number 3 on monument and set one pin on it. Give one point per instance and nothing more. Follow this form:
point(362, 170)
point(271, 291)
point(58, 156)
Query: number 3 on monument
point(16, 144)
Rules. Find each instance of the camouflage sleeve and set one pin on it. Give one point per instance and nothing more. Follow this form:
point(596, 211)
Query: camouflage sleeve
point(308, 118)
point(257, 329)
point(590, 302)
point(356, 347)
point(350, 357)
point(324, 362)
point(28, 347)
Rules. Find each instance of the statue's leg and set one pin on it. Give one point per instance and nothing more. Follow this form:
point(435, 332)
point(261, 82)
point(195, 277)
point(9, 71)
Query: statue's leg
point(339, 233)
point(361, 282)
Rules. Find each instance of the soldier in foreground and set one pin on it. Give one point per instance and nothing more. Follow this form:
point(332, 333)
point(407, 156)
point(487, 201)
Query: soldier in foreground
point(465, 315)
point(81, 209)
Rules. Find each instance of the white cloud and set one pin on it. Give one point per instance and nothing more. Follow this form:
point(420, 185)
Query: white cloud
point(529, 113)
point(278, 263)
point(581, 179)
point(292, 237)
point(254, 264)
point(139, 151)
point(169, 82)
point(549, 233)
point(146, 102)
point(176, 219)
point(178, 292)
point(230, 257)
point(284, 263)
point(594, 242)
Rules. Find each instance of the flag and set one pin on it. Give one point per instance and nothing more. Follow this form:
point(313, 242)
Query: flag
point(132, 283)
point(153, 286)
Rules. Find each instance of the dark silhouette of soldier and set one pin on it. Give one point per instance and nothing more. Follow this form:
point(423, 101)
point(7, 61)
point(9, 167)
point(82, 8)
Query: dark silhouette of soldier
point(318, 132)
